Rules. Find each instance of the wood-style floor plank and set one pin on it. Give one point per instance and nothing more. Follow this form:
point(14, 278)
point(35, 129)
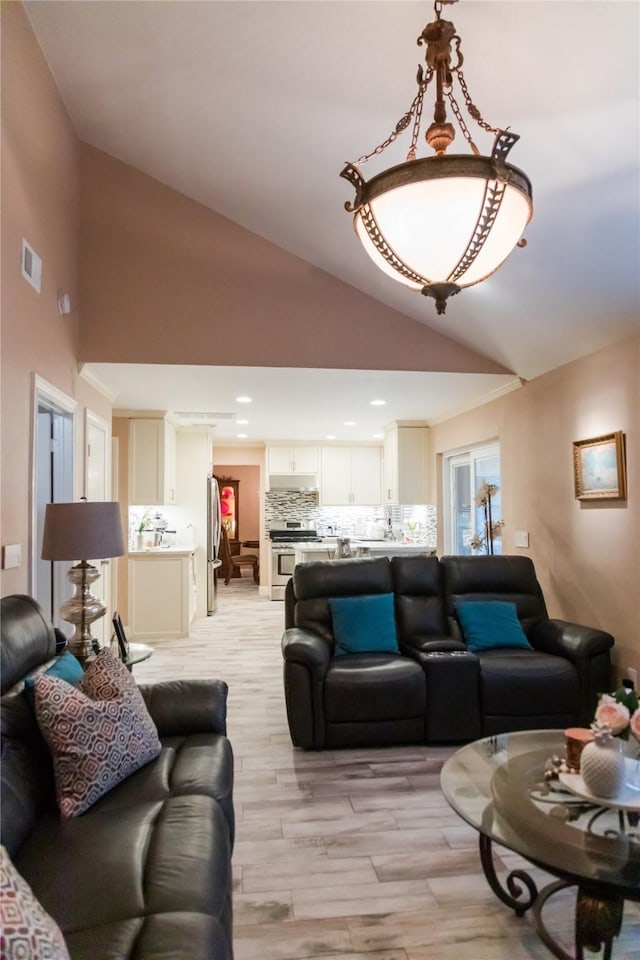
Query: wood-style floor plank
point(346, 854)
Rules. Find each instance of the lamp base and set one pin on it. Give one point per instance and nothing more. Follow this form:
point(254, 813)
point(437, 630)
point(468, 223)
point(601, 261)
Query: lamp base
point(81, 610)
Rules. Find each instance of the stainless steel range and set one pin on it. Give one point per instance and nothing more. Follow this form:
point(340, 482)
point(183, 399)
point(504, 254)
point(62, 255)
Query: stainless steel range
point(285, 536)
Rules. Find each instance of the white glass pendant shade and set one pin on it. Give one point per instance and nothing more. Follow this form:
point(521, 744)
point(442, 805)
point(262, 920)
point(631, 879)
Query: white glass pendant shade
point(432, 222)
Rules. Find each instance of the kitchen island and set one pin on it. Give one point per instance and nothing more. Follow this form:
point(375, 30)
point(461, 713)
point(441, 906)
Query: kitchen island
point(162, 593)
point(308, 552)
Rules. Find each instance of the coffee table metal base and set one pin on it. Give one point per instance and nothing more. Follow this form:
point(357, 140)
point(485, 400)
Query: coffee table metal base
point(598, 919)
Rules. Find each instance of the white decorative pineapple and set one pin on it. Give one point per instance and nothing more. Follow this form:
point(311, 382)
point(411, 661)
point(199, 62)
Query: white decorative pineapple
point(602, 763)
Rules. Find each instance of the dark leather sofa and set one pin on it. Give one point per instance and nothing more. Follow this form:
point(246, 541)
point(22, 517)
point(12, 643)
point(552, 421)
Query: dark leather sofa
point(146, 871)
point(434, 689)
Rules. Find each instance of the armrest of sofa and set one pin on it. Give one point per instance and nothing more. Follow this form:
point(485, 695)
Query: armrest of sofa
point(417, 645)
point(181, 707)
point(588, 650)
point(570, 640)
point(306, 648)
point(306, 662)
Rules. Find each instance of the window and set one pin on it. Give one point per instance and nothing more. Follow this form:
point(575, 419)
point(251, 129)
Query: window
point(465, 473)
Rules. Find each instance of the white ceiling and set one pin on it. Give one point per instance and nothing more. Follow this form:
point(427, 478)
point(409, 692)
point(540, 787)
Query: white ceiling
point(252, 108)
point(297, 404)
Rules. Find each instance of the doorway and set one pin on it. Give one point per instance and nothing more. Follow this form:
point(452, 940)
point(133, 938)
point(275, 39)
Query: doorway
point(465, 473)
point(53, 467)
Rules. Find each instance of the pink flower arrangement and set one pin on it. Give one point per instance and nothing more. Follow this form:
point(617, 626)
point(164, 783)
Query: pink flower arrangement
point(620, 712)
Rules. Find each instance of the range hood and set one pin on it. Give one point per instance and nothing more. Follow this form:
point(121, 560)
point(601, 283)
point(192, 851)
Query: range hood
point(295, 482)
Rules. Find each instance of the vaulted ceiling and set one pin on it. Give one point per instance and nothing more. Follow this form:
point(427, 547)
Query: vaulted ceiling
point(252, 108)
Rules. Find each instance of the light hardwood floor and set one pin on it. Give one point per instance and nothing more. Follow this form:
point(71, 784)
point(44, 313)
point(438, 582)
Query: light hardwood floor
point(345, 854)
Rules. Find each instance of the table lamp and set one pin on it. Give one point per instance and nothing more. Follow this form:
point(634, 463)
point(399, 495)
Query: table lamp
point(82, 529)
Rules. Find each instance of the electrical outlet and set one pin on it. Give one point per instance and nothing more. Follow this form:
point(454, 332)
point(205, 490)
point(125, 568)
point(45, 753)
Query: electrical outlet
point(633, 675)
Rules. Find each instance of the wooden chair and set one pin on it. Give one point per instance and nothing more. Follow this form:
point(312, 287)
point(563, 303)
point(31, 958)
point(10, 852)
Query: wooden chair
point(232, 563)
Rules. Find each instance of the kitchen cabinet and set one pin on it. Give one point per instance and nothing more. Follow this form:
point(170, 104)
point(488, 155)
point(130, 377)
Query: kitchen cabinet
point(350, 476)
point(152, 461)
point(285, 460)
point(162, 594)
point(406, 464)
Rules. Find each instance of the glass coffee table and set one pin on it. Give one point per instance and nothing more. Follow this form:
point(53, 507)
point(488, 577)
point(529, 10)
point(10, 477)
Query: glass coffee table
point(498, 786)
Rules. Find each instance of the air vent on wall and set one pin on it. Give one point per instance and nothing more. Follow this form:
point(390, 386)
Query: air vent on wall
point(196, 416)
point(31, 266)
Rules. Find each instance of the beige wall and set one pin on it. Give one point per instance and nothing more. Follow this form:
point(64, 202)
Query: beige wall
point(165, 280)
point(587, 555)
point(40, 184)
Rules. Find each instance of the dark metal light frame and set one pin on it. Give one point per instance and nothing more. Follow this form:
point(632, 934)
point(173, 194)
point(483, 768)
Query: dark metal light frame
point(498, 175)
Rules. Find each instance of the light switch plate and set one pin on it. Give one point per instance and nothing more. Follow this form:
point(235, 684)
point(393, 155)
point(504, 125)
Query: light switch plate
point(521, 538)
point(11, 556)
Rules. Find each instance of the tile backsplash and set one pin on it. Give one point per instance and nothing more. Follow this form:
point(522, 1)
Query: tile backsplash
point(347, 521)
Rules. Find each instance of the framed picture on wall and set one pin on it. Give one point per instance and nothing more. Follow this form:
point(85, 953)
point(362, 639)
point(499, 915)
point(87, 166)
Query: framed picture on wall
point(599, 467)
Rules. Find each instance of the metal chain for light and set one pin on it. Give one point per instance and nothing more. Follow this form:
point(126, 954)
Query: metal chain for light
point(403, 123)
point(473, 110)
point(415, 110)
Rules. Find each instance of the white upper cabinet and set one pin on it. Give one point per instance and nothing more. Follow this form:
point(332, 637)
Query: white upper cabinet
point(406, 464)
point(350, 476)
point(285, 460)
point(152, 461)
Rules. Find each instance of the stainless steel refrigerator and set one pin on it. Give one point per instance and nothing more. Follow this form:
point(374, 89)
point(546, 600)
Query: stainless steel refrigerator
point(214, 525)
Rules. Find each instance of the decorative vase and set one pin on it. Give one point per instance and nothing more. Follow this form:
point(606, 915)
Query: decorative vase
point(602, 763)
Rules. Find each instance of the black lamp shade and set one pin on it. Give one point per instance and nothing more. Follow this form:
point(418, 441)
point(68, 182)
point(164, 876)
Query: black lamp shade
point(85, 530)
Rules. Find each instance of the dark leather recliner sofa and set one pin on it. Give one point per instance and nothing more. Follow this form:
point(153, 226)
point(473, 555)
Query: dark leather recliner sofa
point(433, 689)
point(146, 871)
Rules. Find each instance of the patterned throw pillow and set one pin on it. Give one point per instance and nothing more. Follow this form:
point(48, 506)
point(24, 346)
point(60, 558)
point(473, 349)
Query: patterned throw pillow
point(99, 732)
point(27, 931)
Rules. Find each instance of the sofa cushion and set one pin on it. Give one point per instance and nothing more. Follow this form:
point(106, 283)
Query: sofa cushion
point(490, 624)
point(366, 687)
point(364, 624)
point(517, 682)
point(98, 733)
point(65, 667)
point(28, 932)
point(168, 857)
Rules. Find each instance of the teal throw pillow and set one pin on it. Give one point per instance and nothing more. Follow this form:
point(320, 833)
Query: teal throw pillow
point(489, 624)
point(65, 667)
point(364, 624)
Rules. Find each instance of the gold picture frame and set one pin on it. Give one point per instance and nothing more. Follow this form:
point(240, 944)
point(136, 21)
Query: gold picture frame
point(599, 467)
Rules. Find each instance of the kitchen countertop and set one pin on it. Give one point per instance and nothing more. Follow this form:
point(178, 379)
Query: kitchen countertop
point(163, 551)
point(380, 547)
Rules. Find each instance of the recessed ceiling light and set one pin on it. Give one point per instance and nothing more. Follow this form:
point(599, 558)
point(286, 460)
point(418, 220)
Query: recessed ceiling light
point(331, 436)
point(349, 423)
point(378, 403)
point(243, 400)
point(242, 436)
point(242, 423)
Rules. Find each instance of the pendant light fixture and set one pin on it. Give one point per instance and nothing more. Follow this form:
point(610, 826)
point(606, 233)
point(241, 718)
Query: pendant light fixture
point(443, 222)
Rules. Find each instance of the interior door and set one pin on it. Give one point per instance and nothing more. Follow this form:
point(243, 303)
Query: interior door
point(53, 460)
point(97, 487)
